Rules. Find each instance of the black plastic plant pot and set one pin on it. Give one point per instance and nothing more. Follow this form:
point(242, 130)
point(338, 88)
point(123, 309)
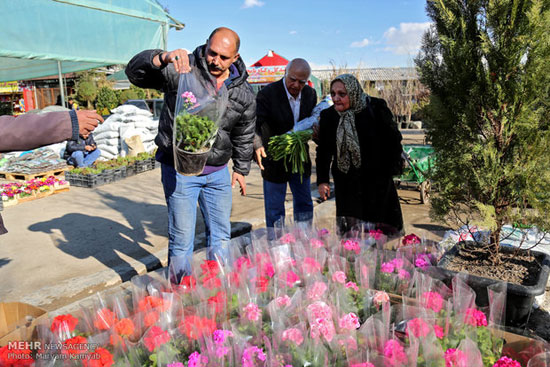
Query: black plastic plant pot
point(519, 298)
point(190, 163)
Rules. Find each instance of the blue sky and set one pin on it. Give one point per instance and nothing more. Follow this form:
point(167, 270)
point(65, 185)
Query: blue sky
point(369, 33)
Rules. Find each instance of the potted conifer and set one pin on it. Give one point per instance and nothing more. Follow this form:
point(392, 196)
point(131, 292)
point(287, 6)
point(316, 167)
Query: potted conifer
point(486, 64)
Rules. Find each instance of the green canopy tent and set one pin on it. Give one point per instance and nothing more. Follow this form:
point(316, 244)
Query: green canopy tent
point(49, 37)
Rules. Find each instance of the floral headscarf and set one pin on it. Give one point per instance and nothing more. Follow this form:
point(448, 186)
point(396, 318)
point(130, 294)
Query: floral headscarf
point(347, 141)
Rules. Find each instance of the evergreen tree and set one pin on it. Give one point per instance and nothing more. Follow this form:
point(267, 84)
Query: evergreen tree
point(106, 100)
point(487, 65)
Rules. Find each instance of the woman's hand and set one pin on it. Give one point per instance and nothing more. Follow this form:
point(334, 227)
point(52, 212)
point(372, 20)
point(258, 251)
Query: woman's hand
point(324, 191)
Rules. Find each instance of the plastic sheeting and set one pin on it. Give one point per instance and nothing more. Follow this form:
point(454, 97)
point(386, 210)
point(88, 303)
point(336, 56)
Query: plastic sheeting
point(81, 34)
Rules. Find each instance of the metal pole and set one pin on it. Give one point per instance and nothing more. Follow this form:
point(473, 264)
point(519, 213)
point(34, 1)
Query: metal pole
point(61, 91)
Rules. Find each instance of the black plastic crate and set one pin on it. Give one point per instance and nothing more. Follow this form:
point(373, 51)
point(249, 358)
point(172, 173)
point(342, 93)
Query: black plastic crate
point(130, 170)
point(76, 179)
point(154, 163)
point(119, 173)
point(95, 180)
point(142, 166)
point(108, 175)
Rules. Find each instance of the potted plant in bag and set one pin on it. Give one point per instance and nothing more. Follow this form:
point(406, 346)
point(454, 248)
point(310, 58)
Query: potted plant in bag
point(486, 64)
point(199, 108)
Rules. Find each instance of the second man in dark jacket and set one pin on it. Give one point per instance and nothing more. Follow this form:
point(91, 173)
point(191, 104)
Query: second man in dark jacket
point(279, 106)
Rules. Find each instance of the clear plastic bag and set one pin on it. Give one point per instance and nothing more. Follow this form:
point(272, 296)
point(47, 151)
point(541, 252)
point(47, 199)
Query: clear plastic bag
point(199, 110)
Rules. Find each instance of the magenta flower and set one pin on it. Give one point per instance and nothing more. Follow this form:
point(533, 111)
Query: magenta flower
point(339, 277)
point(291, 278)
point(250, 354)
point(411, 239)
point(364, 364)
point(316, 243)
point(422, 262)
point(475, 317)
point(252, 312)
point(197, 360)
point(387, 267)
point(288, 238)
point(294, 335)
point(506, 362)
point(317, 290)
point(310, 265)
point(376, 234)
point(432, 300)
point(418, 328)
point(352, 285)
point(439, 332)
point(455, 358)
point(282, 301)
point(403, 274)
point(395, 353)
point(398, 263)
point(352, 245)
point(349, 321)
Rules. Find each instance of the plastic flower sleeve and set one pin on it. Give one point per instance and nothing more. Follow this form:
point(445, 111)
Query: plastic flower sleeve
point(199, 110)
point(464, 297)
point(470, 354)
point(497, 305)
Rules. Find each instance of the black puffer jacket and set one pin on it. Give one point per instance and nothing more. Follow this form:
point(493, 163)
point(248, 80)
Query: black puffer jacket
point(236, 133)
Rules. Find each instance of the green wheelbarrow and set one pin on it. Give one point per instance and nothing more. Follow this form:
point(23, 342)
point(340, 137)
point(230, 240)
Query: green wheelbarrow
point(419, 159)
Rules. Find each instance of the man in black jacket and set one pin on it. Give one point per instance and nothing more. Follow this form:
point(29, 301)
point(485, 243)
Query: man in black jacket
point(279, 106)
point(82, 152)
point(217, 63)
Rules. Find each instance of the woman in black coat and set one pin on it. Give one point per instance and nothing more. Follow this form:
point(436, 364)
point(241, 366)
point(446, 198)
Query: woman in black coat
point(359, 140)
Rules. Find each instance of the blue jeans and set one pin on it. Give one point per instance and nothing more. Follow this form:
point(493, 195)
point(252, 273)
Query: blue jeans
point(274, 200)
point(213, 193)
point(85, 159)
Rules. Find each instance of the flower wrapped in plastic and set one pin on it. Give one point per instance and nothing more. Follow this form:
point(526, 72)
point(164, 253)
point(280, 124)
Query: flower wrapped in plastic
point(198, 112)
point(395, 273)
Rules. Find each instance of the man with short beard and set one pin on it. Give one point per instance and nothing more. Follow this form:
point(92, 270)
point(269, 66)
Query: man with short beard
point(217, 63)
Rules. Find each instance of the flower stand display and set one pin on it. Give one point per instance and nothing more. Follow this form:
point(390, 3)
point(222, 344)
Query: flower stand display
point(310, 298)
point(15, 193)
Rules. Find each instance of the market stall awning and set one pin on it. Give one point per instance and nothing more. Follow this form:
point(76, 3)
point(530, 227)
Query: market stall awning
point(49, 37)
point(269, 68)
point(271, 59)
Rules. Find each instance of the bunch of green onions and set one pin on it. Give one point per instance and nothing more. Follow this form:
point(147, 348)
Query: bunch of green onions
point(292, 148)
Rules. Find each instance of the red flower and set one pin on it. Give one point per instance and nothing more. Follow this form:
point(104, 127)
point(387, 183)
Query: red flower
point(234, 279)
point(125, 327)
point(261, 284)
point(151, 302)
point(194, 326)
point(218, 301)
point(210, 268)
point(212, 283)
point(65, 323)
point(100, 358)
point(150, 318)
point(13, 357)
point(104, 319)
point(76, 345)
point(155, 337)
point(188, 283)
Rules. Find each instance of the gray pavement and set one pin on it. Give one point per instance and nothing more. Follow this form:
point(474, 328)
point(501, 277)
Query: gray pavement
point(67, 246)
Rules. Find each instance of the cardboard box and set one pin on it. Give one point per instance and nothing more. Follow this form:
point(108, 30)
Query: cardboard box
point(18, 321)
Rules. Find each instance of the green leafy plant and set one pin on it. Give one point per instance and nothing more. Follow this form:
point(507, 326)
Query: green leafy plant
point(106, 100)
point(193, 132)
point(486, 64)
point(292, 149)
